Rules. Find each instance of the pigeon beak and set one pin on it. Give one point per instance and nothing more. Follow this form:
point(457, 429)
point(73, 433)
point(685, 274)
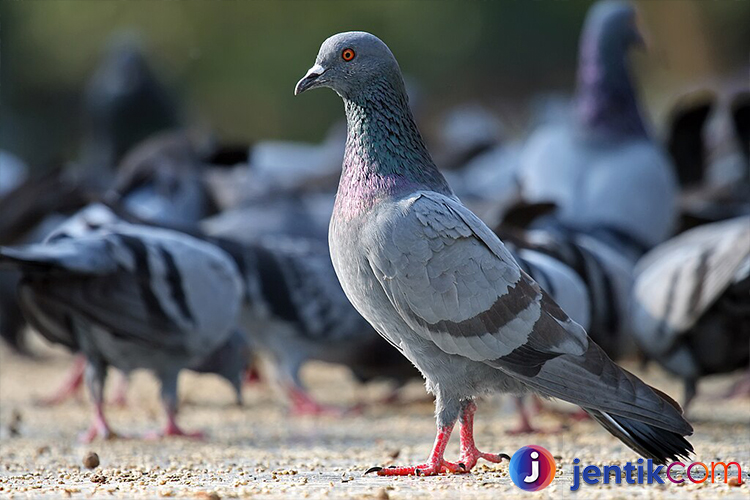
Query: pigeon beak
point(310, 80)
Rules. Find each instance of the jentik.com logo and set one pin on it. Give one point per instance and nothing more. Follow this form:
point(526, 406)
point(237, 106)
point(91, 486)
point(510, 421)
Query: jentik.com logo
point(532, 468)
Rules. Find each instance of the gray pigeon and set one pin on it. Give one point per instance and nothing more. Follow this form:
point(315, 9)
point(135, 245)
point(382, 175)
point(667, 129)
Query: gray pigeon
point(438, 284)
point(124, 102)
point(132, 297)
point(604, 172)
point(162, 181)
point(691, 302)
point(295, 311)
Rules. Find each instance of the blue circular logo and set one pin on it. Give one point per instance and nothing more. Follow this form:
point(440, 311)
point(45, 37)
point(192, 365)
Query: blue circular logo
point(532, 468)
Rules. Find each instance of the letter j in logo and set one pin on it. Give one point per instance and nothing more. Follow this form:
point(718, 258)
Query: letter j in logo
point(532, 468)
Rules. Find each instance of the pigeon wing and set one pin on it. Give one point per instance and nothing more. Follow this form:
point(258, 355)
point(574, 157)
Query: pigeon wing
point(455, 284)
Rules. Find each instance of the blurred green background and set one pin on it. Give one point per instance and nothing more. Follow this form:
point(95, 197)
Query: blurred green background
point(236, 62)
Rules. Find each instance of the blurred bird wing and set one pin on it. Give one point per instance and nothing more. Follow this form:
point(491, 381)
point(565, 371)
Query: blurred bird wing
point(680, 279)
point(86, 256)
point(159, 292)
point(454, 283)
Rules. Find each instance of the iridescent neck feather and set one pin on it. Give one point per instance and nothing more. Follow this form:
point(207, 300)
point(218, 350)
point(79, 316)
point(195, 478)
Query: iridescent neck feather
point(385, 156)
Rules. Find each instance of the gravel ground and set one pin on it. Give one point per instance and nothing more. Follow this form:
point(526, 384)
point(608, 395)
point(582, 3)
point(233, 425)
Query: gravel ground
point(260, 451)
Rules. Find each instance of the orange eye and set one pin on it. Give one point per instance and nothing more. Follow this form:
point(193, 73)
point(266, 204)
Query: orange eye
point(347, 55)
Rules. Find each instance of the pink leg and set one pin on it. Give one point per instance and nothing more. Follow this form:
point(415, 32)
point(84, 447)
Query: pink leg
point(121, 391)
point(525, 426)
point(71, 385)
point(99, 427)
point(169, 400)
point(469, 452)
point(436, 464)
point(303, 404)
point(172, 429)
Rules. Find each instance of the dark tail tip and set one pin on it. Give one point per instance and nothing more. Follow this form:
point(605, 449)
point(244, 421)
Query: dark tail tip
point(649, 441)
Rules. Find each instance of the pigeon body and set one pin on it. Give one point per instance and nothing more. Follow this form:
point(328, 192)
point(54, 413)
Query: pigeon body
point(443, 289)
point(691, 302)
point(130, 297)
point(603, 171)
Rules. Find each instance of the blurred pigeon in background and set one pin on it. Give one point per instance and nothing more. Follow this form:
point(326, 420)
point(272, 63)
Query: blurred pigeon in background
point(685, 141)
point(443, 289)
point(607, 176)
point(304, 216)
point(709, 147)
point(124, 103)
point(691, 302)
point(162, 181)
point(131, 297)
point(295, 311)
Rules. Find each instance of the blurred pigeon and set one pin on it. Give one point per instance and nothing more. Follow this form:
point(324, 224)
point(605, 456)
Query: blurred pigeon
point(466, 131)
point(303, 216)
point(443, 289)
point(124, 103)
point(162, 181)
point(711, 151)
point(604, 172)
point(130, 297)
point(685, 140)
point(691, 302)
point(29, 212)
point(295, 311)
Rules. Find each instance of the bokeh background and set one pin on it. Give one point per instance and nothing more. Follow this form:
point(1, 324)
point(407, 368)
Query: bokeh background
point(235, 63)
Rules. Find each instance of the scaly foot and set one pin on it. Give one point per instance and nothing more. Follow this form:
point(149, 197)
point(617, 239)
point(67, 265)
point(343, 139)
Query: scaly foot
point(469, 458)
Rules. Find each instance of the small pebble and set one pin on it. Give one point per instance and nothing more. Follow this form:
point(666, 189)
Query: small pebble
point(208, 495)
point(91, 460)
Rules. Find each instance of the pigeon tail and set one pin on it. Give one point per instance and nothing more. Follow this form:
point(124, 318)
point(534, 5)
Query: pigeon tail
point(646, 439)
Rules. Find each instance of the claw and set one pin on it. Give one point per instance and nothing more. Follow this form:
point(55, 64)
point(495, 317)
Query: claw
point(372, 469)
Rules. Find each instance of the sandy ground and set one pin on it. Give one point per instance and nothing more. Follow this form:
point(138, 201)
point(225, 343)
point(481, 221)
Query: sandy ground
point(260, 451)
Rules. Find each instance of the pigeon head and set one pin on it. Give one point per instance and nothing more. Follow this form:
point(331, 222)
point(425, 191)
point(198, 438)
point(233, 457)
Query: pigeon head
point(351, 63)
point(612, 26)
point(606, 99)
point(385, 156)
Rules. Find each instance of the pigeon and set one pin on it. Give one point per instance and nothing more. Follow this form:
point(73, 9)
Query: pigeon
point(685, 139)
point(124, 103)
point(604, 171)
point(714, 152)
point(295, 311)
point(440, 286)
point(691, 302)
point(161, 181)
point(132, 297)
